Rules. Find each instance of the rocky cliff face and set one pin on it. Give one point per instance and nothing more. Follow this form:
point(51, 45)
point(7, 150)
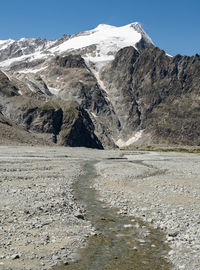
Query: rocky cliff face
point(61, 122)
point(7, 88)
point(73, 80)
point(77, 129)
point(14, 134)
point(117, 79)
point(156, 93)
point(106, 87)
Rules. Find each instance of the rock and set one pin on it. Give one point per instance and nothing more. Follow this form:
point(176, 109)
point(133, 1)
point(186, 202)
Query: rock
point(173, 233)
point(79, 216)
point(56, 257)
point(15, 256)
point(77, 129)
point(75, 257)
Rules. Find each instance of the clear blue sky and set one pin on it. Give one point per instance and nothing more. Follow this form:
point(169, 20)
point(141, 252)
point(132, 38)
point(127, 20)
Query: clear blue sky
point(173, 25)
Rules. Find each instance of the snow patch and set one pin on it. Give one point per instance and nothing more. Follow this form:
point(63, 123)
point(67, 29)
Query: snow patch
point(5, 43)
point(28, 57)
point(97, 46)
point(94, 115)
point(130, 141)
point(32, 70)
point(169, 55)
point(100, 82)
point(99, 61)
point(54, 91)
point(108, 37)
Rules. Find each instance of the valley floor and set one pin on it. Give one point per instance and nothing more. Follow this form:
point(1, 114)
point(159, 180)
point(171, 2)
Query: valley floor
point(162, 189)
point(42, 224)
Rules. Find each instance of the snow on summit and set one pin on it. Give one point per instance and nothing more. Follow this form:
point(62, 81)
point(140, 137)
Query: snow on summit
point(103, 34)
point(98, 45)
point(108, 40)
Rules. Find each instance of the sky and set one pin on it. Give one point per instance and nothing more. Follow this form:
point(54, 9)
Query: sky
point(173, 25)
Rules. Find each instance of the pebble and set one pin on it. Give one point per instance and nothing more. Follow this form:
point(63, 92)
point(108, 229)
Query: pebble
point(15, 256)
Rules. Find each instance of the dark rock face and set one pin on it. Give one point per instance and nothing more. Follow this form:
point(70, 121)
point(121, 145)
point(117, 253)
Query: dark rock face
point(77, 83)
point(44, 119)
point(78, 129)
point(63, 122)
point(12, 134)
point(143, 44)
point(117, 78)
point(156, 93)
point(70, 61)
point(6, 87)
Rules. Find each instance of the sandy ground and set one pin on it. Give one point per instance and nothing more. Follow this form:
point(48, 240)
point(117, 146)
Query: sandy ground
point(42, 223)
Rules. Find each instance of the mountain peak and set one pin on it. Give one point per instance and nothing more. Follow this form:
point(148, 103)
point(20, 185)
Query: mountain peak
point(138, 27)
point(135, 25)
point(104, 26)
point(98, 45)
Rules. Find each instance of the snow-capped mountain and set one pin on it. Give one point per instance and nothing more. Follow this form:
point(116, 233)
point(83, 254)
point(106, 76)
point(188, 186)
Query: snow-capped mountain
point(97, 46)
point(100, 88)
point(100, 45)
point(69, 68)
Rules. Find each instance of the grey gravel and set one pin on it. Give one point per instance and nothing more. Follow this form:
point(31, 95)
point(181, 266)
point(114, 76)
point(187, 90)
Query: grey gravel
point(163, 189)
point(42, 222)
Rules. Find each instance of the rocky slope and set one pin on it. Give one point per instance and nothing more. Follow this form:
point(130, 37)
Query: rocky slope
point(157, 94)
point(111, 83)
point(13, 134)
point(59, 122)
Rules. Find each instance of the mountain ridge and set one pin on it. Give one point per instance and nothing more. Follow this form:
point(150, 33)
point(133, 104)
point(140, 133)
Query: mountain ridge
point(113, 38)
point(126, 90)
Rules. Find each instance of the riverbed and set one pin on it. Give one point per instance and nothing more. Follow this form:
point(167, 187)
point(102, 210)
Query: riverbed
point(145, 209)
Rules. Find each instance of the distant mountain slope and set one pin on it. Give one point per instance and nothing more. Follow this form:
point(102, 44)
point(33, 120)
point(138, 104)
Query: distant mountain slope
point(105, 87)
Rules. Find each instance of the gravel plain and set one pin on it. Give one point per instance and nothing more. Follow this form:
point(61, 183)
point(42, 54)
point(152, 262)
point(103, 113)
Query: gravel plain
point(40, 221)
point(163, 189)
point(42, 224)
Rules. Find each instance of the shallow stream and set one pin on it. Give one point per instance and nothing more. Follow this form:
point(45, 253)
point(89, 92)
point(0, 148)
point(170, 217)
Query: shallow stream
point(122, 242)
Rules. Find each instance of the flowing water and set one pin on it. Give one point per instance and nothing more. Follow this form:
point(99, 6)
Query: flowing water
point(122, 242)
